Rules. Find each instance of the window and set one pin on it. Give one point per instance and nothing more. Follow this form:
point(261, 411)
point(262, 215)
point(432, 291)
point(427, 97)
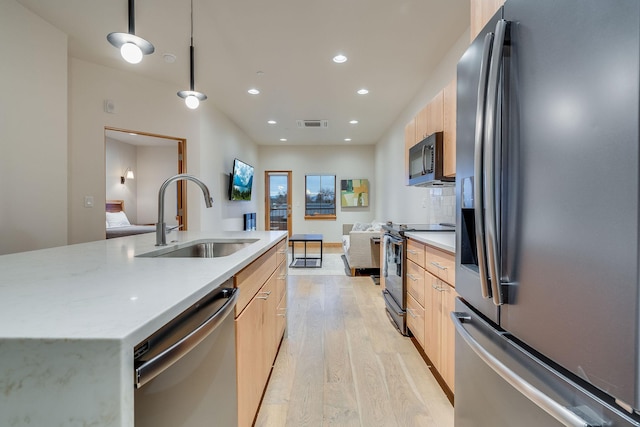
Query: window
point(320, 197)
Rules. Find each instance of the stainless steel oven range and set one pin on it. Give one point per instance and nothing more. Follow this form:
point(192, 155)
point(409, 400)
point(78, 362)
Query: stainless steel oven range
point(394, 268)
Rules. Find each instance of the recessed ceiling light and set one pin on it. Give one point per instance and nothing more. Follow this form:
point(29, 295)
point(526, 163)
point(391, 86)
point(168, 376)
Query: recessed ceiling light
point(347, 139)
point(363, 92)
point(272, 122)
point(131, 133)
point(354, 122)
point(283, 139)
point(339, 59)
point(253, 91)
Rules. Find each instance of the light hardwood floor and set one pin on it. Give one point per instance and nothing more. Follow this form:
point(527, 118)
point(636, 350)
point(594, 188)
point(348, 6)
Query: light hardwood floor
point(342, 363)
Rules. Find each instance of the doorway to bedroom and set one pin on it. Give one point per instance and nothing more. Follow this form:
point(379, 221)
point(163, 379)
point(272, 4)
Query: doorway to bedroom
point(136, 165)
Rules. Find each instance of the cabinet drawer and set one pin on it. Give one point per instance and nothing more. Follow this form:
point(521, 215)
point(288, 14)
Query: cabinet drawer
point(415, 252)
point(282, 251)
point(441, 264)
point(281, 281)
point(415, 282)
point(281, 318)
point(415, 319)
point(251, 279)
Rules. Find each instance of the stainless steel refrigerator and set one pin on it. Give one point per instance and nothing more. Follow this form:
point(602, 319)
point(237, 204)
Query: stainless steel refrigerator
point(547, 186)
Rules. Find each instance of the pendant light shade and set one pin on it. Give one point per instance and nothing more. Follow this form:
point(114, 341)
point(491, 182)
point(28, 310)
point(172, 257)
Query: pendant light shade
point(132, 48)
point(191, 97)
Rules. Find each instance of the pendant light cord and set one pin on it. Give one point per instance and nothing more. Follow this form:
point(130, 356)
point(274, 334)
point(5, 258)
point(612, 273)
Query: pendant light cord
point(191, 54)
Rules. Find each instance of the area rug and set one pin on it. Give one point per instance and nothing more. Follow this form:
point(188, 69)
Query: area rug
point(332, 265)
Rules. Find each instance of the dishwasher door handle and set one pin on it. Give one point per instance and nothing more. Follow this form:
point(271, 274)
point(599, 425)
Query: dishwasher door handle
point(158, 364)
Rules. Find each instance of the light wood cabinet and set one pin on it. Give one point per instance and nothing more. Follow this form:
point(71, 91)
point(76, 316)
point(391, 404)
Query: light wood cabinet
point(437, 116)
point(431, 297)
point(409, 141)
point(449, 129)
point(415, 319)
point(481, 12)
point(260, 323)
point(441, 264)
point(448, 342)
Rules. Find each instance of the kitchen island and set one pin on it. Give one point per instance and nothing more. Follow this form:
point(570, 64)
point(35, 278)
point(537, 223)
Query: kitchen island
point(70, 317)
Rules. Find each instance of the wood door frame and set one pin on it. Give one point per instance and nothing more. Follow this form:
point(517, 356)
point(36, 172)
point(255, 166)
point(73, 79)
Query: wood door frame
point(181, 195)
point(267, 200)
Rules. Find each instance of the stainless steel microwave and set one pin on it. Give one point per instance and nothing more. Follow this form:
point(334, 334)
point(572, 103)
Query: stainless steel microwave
point(426, 162)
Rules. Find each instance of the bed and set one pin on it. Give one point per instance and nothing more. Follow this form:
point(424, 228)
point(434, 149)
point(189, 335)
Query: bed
point(117, 223)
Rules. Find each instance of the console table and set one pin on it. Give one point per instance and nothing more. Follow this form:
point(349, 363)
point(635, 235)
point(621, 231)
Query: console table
point(305, 261)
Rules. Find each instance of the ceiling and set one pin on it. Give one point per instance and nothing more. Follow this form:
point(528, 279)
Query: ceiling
point(284, 48)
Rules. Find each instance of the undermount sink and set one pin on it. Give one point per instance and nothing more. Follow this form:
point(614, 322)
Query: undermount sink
point(208, 248)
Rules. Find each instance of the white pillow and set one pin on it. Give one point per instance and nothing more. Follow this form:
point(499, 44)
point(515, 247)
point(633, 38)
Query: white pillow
point(117, 219)
point(360, 226)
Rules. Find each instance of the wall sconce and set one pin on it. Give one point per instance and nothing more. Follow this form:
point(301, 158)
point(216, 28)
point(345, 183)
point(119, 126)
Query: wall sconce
point(127, 174)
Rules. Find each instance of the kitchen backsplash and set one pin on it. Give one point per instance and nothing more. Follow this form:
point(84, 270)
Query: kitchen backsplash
point(441, 205)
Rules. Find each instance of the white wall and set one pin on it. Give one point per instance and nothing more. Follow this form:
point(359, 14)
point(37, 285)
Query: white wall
point(221, 143)
point(346, 162)
point(154, 165)
point(118, 157)
point(149, 106)
point(394, 200)
point(33, 131)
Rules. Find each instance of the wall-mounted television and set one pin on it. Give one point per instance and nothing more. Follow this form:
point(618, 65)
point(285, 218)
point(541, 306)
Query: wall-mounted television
point(241, 181)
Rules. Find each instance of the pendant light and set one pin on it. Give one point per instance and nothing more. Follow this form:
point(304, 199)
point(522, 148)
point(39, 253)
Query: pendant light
point(191, 97)
point(132, 47)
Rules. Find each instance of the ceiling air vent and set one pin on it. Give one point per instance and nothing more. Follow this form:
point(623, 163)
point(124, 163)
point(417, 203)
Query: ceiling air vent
point(318, 124)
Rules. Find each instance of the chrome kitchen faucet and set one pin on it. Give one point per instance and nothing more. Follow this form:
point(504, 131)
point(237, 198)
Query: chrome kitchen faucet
point(161, 236)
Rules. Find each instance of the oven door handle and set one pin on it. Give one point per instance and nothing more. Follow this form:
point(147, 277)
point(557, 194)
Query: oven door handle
point(158, 364)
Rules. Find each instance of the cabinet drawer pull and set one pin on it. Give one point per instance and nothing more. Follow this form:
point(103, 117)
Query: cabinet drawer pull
point(264, 293)
point(412, 252)
point(411, 313)
point(412, 277)
point(441, 267)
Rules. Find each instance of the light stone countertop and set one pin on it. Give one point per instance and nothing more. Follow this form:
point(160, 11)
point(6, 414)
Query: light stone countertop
point(70, 316)
point(439, 239)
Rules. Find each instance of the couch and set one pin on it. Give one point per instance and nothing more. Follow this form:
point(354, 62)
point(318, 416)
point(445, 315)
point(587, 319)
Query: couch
point(360, 251)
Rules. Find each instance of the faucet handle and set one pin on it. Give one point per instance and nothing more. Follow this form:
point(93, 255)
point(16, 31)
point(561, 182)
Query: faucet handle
point(170, 229)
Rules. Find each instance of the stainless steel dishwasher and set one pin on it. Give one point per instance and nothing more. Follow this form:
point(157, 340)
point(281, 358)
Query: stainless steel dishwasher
point(185, 373)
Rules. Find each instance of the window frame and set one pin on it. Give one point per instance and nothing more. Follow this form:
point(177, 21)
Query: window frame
point(332, 216)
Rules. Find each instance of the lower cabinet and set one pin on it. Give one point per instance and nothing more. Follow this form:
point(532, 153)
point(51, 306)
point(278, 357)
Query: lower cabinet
point(439, 328)
point(430, 299)
point(260, 325)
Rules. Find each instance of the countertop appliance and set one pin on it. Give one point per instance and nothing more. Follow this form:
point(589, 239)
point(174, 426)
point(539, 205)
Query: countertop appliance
point(185, 373)
point(548, 252)
point(395, 265)
point(426, 162)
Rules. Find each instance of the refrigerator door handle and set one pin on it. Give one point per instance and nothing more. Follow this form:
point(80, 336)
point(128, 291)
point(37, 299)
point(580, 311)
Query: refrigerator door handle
point(478, 165)
point(491, 219)
point(544, 402)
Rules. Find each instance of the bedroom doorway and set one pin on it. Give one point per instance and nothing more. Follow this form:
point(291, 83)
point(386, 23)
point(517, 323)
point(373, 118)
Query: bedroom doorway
point(278, 200)
point(136, 165)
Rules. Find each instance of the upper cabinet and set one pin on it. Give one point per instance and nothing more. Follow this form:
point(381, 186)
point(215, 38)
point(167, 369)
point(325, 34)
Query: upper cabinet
point(429, 119)
point(449, 123)
point(439, 115)
point(481, 12)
